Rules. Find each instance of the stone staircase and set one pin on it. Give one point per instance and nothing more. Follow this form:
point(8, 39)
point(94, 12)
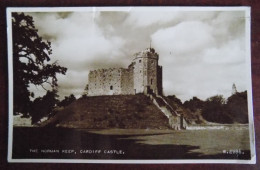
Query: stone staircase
point(176, 120)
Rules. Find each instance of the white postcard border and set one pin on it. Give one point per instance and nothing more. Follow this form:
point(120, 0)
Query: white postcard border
point(94, 9)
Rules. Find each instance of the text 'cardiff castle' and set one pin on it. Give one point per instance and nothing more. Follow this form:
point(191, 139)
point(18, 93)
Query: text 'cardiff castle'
point(143, 75)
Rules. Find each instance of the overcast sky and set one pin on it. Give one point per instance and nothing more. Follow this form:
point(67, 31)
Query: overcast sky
point(202, 52)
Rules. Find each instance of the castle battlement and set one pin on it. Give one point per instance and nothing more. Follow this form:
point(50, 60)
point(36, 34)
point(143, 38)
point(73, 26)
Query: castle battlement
point(142, 75)
point(103, 70)
point(149, 52)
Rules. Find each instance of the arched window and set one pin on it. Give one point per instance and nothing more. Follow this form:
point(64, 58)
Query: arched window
point(111, 87)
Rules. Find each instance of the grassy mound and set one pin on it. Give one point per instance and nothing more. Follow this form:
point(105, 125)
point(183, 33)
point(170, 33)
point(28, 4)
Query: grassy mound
point(122, 111)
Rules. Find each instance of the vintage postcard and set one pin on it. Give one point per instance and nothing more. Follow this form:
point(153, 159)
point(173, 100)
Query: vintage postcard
point(130, 85)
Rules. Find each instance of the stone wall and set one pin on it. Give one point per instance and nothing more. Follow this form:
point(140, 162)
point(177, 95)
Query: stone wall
point(110, 82)
point(159, 80)
point(152, 63)
point(127, 81)
point(104, 82)
point(138, 71)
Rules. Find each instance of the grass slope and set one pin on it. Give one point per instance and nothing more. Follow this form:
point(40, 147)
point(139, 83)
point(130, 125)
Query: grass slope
point(122, 111)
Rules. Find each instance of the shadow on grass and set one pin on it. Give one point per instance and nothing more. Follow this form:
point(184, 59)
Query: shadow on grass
point(77, 144)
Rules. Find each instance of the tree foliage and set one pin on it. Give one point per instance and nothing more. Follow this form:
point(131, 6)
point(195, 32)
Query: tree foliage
point(67, 100)
point(31, 61)
point(215, 110)
point(174, 99)
point(237, 107)
point(234, 110)
point(43, 106)
point(194, 104)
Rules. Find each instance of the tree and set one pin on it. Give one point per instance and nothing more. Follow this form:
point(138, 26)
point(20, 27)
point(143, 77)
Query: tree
point(86, 90)
point(31, 61)
point(174, 99)
point(67, 100)
point(237, 107)
point(43, 106)
point(214, 110)
point(194, 104)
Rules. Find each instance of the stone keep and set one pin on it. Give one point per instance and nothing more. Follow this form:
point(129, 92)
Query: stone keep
point(143, 75)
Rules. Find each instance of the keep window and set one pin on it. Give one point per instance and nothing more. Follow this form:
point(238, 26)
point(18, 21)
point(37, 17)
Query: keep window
point(140, 61)
point(151, 81)
point(111, 87)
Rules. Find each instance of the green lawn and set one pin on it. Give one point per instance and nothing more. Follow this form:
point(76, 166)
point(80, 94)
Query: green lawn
point(209, 141)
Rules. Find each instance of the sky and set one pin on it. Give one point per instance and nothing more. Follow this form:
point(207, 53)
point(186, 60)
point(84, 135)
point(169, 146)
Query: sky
point(202, 52)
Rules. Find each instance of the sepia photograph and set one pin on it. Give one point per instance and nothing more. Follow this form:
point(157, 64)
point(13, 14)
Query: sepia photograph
point(130, 85)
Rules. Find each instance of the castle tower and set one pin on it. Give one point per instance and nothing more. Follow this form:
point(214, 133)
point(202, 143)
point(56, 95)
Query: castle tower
point(147, 72)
